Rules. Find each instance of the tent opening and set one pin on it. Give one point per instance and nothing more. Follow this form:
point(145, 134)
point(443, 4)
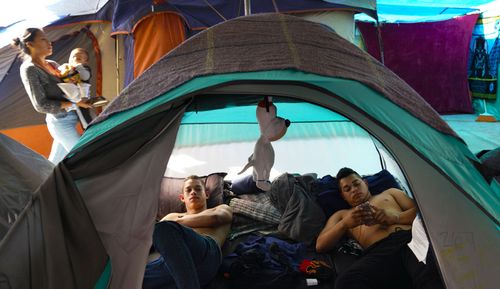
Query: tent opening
point(218, 134)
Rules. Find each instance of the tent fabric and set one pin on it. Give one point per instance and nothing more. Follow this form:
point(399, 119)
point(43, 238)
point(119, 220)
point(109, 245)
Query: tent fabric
point(342, 22)
point(141, 91)
point(202, 14)
point(22, 171)
point(446, 156)
point(128, 47)
point(445, 151)
point(428, 53)
point(131, 205)
point(280, 47)
point(135, 141)
point(163, 31)
point(7, 57)
point(56, 244)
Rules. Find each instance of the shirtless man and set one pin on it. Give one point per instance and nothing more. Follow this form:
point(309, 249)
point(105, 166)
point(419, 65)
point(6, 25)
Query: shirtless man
point(189, 243)
point(382, 226)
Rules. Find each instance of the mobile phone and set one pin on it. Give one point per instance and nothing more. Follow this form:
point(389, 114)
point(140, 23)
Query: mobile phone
point(368, 220)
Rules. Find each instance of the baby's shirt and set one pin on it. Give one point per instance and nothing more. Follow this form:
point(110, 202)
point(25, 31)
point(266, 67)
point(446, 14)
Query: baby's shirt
point(84, 71)
point(75, 74)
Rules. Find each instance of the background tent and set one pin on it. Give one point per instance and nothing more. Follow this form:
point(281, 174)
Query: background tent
point(18, 119)
point(137, 26)
point(22, 171)
point(134, 137)
point(121, 34)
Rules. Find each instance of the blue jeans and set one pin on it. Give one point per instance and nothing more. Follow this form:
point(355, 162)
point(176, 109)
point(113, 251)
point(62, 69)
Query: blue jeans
point(188, 259)
point(63, 131)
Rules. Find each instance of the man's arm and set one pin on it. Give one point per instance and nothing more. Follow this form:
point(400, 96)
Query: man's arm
point(408, 208)
point(336, 227)
point(220, 215)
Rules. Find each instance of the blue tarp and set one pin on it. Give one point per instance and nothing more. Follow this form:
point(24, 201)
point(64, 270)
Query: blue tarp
point(200, 14)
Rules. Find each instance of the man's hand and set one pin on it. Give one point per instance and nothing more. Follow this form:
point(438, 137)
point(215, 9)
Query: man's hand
point(382, 217)
point(357, 216)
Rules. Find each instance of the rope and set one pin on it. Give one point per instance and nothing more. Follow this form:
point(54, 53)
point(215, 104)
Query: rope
point(215, 10)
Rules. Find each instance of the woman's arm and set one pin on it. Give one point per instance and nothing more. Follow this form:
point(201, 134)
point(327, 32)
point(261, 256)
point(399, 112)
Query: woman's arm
point(31, 81)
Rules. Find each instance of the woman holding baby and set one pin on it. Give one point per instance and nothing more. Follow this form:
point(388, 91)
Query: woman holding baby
point(40, 77)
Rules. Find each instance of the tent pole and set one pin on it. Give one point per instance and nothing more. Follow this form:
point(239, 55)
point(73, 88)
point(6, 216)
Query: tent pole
point(248, 7)
point(117, 64)
point(380, 43)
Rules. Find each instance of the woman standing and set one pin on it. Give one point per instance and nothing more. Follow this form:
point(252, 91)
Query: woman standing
point(40, 78)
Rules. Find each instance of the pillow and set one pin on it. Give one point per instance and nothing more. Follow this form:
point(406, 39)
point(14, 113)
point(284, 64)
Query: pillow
point(245, 185)
point(381, 181)
point(328, 194)
point(171, 188)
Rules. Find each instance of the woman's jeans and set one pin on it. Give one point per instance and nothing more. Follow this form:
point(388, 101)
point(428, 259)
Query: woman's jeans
point(188, 260)
point(63, 131)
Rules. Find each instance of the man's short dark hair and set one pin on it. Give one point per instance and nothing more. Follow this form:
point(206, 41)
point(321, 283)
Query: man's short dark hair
point(345, 172)
point(195, 177)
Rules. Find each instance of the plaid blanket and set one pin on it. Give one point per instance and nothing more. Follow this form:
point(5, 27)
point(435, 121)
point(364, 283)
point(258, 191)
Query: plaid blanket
point(253, 213)
point(257, 206)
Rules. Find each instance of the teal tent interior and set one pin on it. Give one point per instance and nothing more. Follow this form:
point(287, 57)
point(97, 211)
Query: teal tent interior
point(90, 224)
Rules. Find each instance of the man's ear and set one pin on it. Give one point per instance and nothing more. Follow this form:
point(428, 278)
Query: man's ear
point(208, 194)
point(181, 197)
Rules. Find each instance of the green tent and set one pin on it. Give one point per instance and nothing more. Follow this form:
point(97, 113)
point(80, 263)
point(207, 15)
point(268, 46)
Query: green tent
point(92, 220)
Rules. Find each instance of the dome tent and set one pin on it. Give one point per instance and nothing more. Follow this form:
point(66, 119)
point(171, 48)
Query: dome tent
point(101, 200)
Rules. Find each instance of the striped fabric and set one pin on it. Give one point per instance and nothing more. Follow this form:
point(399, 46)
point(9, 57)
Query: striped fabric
point(256, 206)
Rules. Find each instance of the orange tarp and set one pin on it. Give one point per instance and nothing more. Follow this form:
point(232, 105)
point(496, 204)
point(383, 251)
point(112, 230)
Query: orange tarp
point(154, 36)
point(36, 137)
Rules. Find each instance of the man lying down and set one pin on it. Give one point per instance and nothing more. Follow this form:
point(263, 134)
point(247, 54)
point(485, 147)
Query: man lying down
point(382, 226)
point(189, 243)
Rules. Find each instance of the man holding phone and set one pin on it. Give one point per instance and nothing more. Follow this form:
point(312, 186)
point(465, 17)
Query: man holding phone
point(382, 226)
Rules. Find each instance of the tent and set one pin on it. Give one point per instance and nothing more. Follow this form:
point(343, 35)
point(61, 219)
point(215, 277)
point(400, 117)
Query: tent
point(91, 221)
point(120, 36)
point(22, 171)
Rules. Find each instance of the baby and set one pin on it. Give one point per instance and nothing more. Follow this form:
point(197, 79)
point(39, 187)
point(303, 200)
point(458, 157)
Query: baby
point(77, 69)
